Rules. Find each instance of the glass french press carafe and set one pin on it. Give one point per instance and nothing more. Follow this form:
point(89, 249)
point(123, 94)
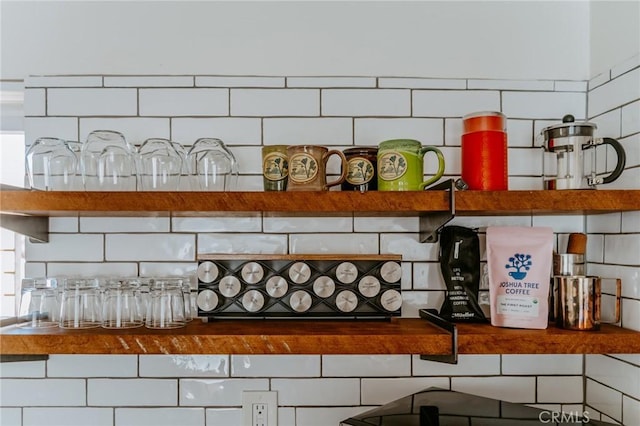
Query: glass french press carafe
point(570, 160)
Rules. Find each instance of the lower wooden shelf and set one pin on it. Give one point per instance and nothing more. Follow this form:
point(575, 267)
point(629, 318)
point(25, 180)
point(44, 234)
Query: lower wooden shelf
point(398, 336)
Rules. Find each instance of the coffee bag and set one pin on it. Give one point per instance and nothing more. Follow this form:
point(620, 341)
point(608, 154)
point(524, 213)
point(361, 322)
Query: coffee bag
point(519, 261)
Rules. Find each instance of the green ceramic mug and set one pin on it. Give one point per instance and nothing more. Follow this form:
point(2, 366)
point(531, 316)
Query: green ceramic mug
point(401, 165)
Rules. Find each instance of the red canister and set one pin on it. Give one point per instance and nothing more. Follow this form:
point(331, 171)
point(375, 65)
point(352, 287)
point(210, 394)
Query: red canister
point(484, 151)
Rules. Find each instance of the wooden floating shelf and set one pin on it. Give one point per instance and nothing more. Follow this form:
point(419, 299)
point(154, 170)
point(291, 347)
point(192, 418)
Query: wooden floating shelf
point(398, 336)
point(43, 203)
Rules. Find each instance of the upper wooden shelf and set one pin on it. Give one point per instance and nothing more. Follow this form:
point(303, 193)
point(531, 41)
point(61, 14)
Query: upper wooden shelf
point(398, 336)
point(42, 203)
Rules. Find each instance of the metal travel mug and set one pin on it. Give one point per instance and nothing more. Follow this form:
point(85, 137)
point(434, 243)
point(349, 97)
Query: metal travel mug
point(580, 302)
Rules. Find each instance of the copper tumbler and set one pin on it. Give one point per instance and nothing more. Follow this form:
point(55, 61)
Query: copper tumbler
point(580, 302)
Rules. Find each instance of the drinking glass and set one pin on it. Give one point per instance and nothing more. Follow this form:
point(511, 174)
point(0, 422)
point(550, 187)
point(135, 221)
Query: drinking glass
point(108, 162)
point(76, 180)
point(121, 303)
point(160, 165)
point(212, 165)
point(166, 304)
point(80, 306)
point(51, 165)
point(39, 304)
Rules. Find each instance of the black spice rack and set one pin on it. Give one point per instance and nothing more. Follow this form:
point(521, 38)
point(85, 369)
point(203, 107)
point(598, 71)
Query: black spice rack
point(299, 286)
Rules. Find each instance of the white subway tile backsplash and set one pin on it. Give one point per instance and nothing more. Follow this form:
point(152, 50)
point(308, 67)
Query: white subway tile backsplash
point(165, 269)
point(325, 416)
point(157, 247)
point(92, 366)
point(512, 389)
point(630, 411)
point(468, 365)
point(275, 102)
point(60, 127)
point(519, 183)
point(231, 130)
point(91, 269)
point(571, 86)
point(184, 365)
point(453, 131)
point(408, 246)
point(595, 248)
point(631, 221)
point(242, 244)
point(42, 392)
point(413, 301)
point(333, 243)
point(159, 416)
point(132, 392)
point(247, 159)
point(453, 103)
point(31, 369)
point(135, 129)
point(223, 416)
point(631, 145)
point(218, 392)
point(250, 223)
point(604, 399)
point(63, 81)
point(520, 133)
point(181, 102)
point(599, 80)
point(331, 82)
point(282, 224)
point(383, 391)
point(308, 131)
point(84, 102)
point(239, 81)
point(608, 124)
point(613, 373)
point(481, 222)
point(385, 224)
point(35, 103)
point(524, 161)
point(541, 365)
point(421, 83)
point(631, 118)
point(631, 316)
point(148, 81)
point(32, 269)
point(124, 224)
point(63, 224)
point(316, 392)
point(372, 131)
point(366, 102)
point(546, 85)
point(366, 365)
point(564, 389)
point(275, 366)
point(623, 67)
point(603, 223)
point(619, 91)
point(62, 416)
point(545, 105)
point(428, 276)
point(561, 223)
point(453, 159)
point(622, 249)
point(67, 247)
point(11, 417)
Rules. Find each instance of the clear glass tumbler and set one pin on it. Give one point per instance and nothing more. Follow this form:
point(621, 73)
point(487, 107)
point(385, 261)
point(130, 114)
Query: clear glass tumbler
point(51, 165)
point(108, 162)
point(212, 165)
point(160, 165)
point(39, 303)
point(81, 304)
point(166, 304)
point(121, 303)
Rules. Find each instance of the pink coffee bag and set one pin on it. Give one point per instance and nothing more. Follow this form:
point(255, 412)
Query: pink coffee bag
point(519, 261)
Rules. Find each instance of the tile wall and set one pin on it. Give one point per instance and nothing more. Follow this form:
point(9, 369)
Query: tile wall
point(247, 112)
point(613, 381)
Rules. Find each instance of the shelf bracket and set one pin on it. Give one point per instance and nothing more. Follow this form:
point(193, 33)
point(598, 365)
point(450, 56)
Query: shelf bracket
point(432, 316)
point(430, 223)
point(34, 227)
point(23, 358)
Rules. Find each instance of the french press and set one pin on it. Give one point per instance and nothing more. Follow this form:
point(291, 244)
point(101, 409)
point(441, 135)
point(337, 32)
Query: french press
point(570, 161)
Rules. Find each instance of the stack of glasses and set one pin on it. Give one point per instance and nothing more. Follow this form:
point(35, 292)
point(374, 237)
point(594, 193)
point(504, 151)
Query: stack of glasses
point(76, 303)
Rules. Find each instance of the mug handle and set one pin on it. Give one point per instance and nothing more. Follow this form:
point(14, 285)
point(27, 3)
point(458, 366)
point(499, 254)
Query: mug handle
point(440, 171)
point(622, 159)
point(345, 168)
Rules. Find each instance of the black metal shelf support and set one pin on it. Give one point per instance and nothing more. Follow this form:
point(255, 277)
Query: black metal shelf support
point(432, 316)
point(432, 222)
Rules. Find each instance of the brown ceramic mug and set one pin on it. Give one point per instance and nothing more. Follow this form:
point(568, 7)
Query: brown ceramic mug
point(308, 168)
point(362, 163)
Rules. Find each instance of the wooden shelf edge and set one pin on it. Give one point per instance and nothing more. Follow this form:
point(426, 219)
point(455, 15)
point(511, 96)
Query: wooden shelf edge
point(306, 337)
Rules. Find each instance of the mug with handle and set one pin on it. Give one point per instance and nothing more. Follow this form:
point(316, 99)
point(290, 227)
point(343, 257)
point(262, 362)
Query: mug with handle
point(308, 168)
point(401, 165)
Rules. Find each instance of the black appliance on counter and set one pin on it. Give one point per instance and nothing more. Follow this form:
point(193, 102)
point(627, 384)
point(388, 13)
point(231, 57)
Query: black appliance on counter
point(441, 407)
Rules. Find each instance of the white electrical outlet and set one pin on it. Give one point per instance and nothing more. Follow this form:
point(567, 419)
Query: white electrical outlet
point(260, 408)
